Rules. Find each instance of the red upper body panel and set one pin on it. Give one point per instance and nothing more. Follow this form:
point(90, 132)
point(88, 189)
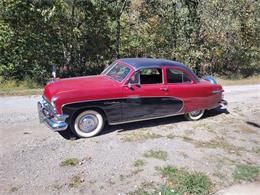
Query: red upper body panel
point(82, 89)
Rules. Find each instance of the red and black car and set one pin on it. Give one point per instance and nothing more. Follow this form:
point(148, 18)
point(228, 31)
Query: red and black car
point(130, 89)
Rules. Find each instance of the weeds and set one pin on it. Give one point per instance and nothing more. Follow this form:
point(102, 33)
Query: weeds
point(158, 154)
point(13, 189)
point(75, 181)
point(140, 136)
point(57, 186)
point(180, 181)
point(69, 162)
point(246, 173)
point(139, 163)
point(219, 143)
point(12, 87)
point(245, 81)
point(146, 188)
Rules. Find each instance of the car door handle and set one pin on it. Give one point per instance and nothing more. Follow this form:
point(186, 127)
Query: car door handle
point(164, 89)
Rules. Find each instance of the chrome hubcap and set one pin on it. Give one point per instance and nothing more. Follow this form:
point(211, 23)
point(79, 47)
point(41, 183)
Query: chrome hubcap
point(195, 113)
point(88, 123)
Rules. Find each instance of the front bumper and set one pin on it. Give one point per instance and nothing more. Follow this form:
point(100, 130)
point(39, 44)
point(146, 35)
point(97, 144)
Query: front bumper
point(48, 116)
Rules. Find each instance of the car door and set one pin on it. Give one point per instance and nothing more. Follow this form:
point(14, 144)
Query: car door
point(146, 96)
point(181, 86)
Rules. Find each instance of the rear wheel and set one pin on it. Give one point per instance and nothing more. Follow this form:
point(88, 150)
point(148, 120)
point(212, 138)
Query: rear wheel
point(88, 124)
point(194, 115)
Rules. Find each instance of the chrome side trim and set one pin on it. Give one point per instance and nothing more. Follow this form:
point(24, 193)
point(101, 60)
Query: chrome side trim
point(131, 121)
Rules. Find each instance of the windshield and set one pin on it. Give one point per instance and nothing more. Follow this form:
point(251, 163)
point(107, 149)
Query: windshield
point(117, 72)
point(105, 71)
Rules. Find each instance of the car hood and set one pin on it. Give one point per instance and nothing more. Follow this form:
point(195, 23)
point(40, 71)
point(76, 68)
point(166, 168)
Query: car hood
point(77, 84)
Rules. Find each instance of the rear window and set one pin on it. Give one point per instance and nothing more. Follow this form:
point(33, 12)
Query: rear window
point(177, 76)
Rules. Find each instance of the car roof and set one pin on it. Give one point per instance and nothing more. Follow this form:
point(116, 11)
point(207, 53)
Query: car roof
point(140, 63)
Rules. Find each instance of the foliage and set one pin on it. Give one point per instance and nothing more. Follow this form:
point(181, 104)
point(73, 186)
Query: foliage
point(246, 173)
point(70, 162)
point(184, 182)
point(139, 163)
point(81, 37)
point(158, 154)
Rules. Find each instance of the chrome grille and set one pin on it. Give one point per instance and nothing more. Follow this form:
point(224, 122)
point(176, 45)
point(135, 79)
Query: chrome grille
point(48, 107)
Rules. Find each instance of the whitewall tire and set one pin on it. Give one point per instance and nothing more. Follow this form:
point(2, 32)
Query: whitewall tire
point(194, 115)
point(88, 124)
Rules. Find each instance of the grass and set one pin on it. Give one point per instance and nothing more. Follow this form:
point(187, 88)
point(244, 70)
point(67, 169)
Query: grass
point(69, 162)
point(139, 163)
point(133, 173)
point(75, 181)
point(146, 188)
point(57, 186)
point(140, 136)
point(245, 81)
point(12, 87)
point(246, 173)
point(13, 189)
point(179, 181)
point(220, 175)
point(164, 190)
point(158, 154)
point(20, 92)
point(219, 143)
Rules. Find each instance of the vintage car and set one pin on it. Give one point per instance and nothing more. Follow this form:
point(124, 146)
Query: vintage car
point(130, 89)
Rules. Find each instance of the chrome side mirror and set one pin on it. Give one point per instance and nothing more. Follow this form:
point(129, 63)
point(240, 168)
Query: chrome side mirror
point(129, 85)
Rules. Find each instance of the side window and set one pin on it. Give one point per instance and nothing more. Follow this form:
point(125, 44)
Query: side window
point(151, 76)
point(177, 76)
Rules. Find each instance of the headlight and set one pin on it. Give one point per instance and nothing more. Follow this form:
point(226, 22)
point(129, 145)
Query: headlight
point(53, 99)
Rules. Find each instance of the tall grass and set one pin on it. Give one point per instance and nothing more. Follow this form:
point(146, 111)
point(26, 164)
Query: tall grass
point(13, 84)
point(13, 87)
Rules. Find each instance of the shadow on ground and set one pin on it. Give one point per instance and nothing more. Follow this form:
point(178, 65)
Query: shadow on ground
point(253, 124)
point(145, 124)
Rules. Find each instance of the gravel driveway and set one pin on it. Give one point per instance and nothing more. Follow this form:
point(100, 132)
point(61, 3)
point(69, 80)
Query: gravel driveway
point(35, 160)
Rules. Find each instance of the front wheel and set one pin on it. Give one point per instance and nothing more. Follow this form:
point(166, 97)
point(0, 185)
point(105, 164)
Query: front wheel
point(88, 124)
point(194, 115)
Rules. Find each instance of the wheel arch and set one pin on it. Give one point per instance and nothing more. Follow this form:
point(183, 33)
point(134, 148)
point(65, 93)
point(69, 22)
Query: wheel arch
point(74, 112)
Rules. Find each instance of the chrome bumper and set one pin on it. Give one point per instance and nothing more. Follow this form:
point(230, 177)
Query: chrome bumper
point(50, 118)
